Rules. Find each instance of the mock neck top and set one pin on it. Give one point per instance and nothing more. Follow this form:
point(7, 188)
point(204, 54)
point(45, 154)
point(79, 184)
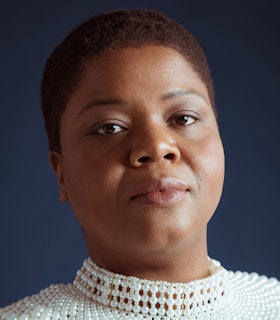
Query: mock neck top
point(97, 293)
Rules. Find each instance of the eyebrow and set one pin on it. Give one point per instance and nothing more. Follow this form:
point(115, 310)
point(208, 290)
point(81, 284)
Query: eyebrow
point(180, 93)
point(177, 93)
point(101, 102)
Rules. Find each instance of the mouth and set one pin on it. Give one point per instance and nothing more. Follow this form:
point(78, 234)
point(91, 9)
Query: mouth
point(160, 192)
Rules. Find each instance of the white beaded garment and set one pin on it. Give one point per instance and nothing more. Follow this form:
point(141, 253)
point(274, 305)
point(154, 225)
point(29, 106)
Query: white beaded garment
point(97, 294)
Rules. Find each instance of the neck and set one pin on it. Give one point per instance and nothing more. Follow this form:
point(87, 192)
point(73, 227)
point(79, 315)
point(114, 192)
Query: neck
point(182, 263)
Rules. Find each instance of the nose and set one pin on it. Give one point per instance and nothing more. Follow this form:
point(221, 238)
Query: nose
point(154, 146)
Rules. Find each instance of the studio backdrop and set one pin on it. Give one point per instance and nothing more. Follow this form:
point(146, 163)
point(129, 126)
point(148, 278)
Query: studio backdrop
point(40, 240)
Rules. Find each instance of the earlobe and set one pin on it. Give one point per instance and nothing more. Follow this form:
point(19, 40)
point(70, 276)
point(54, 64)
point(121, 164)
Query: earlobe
point(56, 163)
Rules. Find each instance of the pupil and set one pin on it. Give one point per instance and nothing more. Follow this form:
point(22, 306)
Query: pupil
point(110, 128)
point(182, 119)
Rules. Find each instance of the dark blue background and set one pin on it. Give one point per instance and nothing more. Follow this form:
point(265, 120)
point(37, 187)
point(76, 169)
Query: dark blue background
point(40, 240)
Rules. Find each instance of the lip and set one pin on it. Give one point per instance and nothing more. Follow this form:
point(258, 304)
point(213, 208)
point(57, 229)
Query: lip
point(160, 192)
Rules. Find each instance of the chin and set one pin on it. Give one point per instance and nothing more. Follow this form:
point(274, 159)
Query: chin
point(163, 237)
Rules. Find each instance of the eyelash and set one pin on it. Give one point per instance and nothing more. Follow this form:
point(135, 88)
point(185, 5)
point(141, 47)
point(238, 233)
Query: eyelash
point(110, 126)
point(113, 126)
point(185, 118)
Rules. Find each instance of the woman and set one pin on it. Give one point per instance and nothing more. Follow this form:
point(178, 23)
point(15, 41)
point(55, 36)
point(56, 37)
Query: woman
point(129, 108)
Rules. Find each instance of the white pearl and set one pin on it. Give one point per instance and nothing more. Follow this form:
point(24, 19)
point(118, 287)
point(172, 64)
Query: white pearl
point(98, 294)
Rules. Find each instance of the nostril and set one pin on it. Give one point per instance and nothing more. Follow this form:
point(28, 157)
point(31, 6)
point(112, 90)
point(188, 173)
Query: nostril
point(143, 159)
point(169, 156)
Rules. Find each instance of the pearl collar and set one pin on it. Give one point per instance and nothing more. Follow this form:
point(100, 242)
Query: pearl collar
point(97, 294)
point(153, 298)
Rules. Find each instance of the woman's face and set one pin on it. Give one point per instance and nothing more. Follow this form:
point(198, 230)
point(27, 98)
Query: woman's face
point(142, 162)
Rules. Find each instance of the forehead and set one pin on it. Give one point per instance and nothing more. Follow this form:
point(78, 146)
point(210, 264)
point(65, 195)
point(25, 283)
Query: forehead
point(145, 69)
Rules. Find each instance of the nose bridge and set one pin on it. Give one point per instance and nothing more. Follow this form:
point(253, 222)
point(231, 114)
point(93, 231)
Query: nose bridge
point(154, 144)
point(159, 139)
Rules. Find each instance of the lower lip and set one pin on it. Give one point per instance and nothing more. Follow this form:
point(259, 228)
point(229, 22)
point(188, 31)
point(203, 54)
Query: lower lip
point(161, 198)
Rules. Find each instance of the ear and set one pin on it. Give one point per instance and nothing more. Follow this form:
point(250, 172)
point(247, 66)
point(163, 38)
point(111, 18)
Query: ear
point(56, 163)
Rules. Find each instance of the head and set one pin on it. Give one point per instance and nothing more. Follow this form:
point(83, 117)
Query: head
point(113, 30)
point(134, 138)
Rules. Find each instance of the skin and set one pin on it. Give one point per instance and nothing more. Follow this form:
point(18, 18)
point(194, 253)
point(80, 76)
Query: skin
point(139, 114)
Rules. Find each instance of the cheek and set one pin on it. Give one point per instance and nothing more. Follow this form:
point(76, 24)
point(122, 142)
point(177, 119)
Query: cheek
point(91, 185)
point(209, 165)
point(91, 179)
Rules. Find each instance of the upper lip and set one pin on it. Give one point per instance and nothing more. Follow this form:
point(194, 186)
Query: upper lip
point(155, 185)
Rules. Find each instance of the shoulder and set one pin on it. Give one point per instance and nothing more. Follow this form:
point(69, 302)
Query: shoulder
point(254, 282)
point(257, 294)
point(44, 304)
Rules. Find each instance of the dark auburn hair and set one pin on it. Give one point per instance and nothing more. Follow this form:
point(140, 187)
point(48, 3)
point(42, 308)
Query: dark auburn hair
point(109, 31)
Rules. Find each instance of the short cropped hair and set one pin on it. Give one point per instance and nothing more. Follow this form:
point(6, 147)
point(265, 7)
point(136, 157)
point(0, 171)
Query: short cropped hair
point(110, 31)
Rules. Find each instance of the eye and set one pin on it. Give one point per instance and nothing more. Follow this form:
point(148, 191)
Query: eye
point(183, 120)
point(108, 129)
